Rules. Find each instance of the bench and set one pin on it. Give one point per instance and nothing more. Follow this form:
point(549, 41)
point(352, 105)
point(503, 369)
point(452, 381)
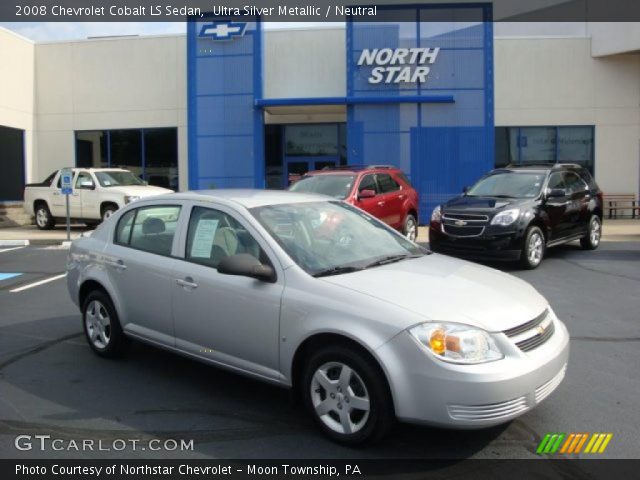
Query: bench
point(619, 203)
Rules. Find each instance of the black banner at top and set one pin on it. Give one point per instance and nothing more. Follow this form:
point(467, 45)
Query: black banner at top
point(311, 10)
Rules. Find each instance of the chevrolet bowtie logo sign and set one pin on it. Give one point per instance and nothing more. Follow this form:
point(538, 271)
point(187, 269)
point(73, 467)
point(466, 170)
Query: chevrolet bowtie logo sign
point(460, 223)
point(223, 30)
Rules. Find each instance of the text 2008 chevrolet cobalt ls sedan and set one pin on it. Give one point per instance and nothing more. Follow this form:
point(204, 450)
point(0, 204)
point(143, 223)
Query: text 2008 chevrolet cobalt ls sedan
point(311, 293)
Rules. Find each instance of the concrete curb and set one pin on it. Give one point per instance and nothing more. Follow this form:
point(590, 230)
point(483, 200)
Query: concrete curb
point(14, 243)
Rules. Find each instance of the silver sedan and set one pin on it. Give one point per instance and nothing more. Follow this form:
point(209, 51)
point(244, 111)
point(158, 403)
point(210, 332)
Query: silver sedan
point(314, 294)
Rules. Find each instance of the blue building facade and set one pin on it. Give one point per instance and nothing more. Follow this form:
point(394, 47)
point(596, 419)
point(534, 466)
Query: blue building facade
point(419, 95)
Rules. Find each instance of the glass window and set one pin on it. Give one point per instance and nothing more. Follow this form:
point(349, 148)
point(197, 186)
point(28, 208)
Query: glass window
point(117, 178)
point(84, 180)
point(154, 228)
point(537, 145)
point(387, 184)
point(508, 184)
point(126, 150)
point(123, 229)
point(214, 235)
point(338, 186)
point(91, 149)
point(311, 140)
point(161, 157)
point(556, 180)
point(575, 145)
point(574, 183)
point(368, 182)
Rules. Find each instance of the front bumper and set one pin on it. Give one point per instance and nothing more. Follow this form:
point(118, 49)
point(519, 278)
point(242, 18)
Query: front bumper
point(429, 391)
point(491, 245)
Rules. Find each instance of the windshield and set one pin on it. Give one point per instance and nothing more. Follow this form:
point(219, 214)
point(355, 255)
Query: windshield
point(337, 186)
point(508, 184)
point(327, 238)
point(118, 178)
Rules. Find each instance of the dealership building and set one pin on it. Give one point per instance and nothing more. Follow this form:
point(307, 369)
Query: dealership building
point(438, 90)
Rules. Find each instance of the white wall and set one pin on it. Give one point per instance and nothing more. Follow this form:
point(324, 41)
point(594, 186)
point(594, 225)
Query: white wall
point(557, 82)
point(107, 84)
point(17, 89)
point(613, 38)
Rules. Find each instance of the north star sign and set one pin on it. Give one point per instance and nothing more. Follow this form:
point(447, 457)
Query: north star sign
point(399, 65)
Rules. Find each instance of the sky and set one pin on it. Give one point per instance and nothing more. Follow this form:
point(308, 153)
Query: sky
point(51, 31)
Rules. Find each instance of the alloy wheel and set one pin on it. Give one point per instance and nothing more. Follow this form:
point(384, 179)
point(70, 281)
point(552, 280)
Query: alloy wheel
point(535, 248)
point(98, 323)
point(411, 229)
point(595, 231)
point(340, 398)
point(42, 218)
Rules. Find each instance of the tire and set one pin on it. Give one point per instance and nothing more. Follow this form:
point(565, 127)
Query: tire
point(594, 233)
point(324, 388)
point(107, 211)
point(533, 248)
point(101, 325)
point(44, 219)
point(410, 229)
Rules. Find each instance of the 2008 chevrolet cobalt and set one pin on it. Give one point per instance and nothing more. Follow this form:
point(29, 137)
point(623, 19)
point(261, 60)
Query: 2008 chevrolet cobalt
point(314, 294)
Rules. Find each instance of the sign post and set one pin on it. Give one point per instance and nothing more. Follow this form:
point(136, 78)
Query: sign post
point(66, 188)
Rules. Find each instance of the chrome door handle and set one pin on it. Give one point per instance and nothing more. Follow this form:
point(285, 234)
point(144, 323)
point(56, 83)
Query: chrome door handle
point(187, 283)
point(118, 264)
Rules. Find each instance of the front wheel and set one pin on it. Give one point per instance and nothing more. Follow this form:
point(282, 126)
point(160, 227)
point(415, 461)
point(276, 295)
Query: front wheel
point(347, 395)
point(533, 248)
point(108, 211)
point(410, 229)
point(594, 233)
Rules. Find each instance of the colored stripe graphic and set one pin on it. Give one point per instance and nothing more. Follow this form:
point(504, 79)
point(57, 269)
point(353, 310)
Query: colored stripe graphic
point(572, 443)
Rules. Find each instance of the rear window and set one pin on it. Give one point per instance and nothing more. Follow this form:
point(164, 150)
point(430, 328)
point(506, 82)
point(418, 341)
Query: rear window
point(404, 178)
point(586, 176)
point(150, 229)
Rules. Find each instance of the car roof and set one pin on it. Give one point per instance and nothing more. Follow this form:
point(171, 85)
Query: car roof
point(248, 198)
point(354, 169)
point(540, 167)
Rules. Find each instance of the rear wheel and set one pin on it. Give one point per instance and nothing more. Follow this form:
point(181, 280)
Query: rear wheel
point(347, 395)
point(411, 228)
point(533, 248)
point(594, 233)
point(44, 220)
point(102, 326)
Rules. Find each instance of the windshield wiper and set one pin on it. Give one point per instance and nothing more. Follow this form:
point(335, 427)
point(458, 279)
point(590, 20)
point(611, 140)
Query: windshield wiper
point(336, 271)
point(391, 259)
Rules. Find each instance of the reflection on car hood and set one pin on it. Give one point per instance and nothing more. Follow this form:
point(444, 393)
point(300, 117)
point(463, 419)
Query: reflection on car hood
point(139, 190)
point(442, 288)
point(483, 203)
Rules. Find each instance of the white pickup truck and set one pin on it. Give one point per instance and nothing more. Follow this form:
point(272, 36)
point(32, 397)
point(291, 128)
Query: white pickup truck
point(97, 193)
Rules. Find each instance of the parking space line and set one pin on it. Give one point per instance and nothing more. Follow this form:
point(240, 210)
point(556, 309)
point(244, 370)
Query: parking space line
point(9, 249)
point(38, 283)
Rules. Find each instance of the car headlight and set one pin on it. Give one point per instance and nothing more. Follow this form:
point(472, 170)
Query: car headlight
point(506, 218)
point(436, 215)
point(131, 198)
point(457, 343)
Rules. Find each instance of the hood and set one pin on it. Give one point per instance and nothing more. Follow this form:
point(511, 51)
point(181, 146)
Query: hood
point(442, 288)
point(483, 203)
point(139, 190)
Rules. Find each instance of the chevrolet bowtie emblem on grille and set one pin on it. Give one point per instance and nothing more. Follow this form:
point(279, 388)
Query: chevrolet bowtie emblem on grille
point(460, 223)
point(223, 30)
point(540, 330)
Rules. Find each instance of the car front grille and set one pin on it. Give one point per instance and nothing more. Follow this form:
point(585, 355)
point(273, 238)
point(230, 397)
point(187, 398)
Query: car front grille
point(464, 225)
point(533, 333)
point(491, 411)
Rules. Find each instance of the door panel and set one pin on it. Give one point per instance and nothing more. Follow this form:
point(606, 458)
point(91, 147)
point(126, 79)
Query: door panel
point(374, 205)
point(578, 207)
point(556, 208)
point(86, 198)
point(142, 270)
point(229, 319)
point(392, 208)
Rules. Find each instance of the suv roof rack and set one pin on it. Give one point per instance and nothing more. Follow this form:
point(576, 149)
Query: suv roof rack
point(357, 167)
point(551, 165)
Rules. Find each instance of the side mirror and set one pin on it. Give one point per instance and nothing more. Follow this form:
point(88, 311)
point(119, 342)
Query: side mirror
point(246, 265)
point(556, 193)
point(366, 193)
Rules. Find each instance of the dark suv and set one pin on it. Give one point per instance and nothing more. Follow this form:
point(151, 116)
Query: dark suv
point(381, 190)
point(516, 213)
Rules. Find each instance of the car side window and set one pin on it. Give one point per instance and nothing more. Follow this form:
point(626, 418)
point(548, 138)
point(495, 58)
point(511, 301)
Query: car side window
point(387, 183)
point(150, 229)
point(556, 181)
point(84, 180)
point(574, 183)
point(368, 182)
point(213, 235)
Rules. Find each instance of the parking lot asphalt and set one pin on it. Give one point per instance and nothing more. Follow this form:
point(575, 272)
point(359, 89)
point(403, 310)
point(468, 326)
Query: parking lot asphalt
point(52, 384)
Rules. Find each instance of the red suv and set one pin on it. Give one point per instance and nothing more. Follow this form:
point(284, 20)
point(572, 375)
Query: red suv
point(383, 191)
